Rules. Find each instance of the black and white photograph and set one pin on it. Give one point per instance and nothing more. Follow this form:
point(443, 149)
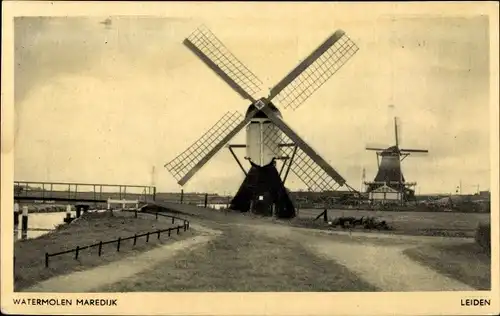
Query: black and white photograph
point(246, 148)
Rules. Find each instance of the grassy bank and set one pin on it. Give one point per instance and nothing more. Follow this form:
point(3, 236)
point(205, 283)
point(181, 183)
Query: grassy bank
point(91, 228)
point(242, 260)
point(466, 262)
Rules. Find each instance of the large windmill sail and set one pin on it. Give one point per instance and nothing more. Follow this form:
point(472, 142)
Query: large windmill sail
point(297, 86)
point(203, 43)
point(292, 91)
point(314, 71)
point(312, 174)
point(195, 156)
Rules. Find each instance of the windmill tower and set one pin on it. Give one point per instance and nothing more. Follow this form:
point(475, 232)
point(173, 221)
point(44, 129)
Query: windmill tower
point(268, 137)
point(389, 185)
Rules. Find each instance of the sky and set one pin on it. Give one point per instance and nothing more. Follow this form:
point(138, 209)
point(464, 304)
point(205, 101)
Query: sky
point(104, 104)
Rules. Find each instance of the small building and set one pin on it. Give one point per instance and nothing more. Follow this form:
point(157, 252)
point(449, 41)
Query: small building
point(385, 195)
point(485, 194)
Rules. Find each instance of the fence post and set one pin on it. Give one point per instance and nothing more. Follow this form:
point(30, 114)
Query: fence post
point(136, 213)
point(206, 199)
point(16, 214)
point(173, 219)
point(182, 195)
point(159, 233)
point(118, 245)
point(100, 248)
point(76, 252)
point(177, 230)
point(46, 260)
point(188, 225)
point(135, 239)
point(169, 231)
point(68, 212)
point(24, 223)
point(147, 237)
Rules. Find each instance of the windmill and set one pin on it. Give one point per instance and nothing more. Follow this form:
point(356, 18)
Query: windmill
point(390, 184)
point(268, 137)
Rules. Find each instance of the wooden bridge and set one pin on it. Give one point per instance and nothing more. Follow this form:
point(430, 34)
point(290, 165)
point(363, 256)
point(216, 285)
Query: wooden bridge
point(80, 192)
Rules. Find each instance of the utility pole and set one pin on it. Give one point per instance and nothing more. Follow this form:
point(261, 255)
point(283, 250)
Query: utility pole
point(363, 176)
point(153, 180)
point(476, 186)
point(459, 188)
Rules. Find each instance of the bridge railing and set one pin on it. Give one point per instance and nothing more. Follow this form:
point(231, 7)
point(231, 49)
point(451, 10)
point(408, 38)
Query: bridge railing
point(82, 191)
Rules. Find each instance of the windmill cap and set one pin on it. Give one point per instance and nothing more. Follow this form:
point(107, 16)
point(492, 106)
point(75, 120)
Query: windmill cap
point(391, 150)
point(261, 114)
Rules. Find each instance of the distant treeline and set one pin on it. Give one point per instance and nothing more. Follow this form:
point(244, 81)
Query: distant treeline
point(337, 199)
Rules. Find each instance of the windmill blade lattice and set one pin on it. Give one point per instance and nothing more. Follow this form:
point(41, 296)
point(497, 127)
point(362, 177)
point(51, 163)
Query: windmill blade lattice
point(314, 76)
point(229, 67)
point(187, 160)
point(303, 166)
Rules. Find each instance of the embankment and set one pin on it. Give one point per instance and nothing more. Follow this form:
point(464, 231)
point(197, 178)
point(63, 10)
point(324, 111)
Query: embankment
point(91, 228)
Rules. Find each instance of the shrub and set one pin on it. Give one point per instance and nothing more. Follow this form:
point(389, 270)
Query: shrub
point(483, 236)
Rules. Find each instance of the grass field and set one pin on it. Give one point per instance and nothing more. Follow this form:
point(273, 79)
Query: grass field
point(467, 263)
point(91, 228)
point(412, 223)
point(242, 260)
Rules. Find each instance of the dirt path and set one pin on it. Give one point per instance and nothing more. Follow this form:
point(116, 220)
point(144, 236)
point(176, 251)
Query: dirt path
point(85, 281)
point(387, 267)
point(244, 260)
point(383, 266)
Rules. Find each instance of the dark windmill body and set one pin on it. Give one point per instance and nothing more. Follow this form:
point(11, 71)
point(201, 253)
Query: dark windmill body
point(390, 185)
point(268, 138)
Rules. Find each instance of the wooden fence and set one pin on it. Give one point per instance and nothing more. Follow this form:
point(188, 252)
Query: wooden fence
point(184, 227)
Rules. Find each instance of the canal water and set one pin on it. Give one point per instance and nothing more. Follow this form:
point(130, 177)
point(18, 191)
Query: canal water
point(42, 223)
point(214, 206)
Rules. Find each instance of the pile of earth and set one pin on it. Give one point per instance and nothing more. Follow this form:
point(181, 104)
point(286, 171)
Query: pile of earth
point(366, 222)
